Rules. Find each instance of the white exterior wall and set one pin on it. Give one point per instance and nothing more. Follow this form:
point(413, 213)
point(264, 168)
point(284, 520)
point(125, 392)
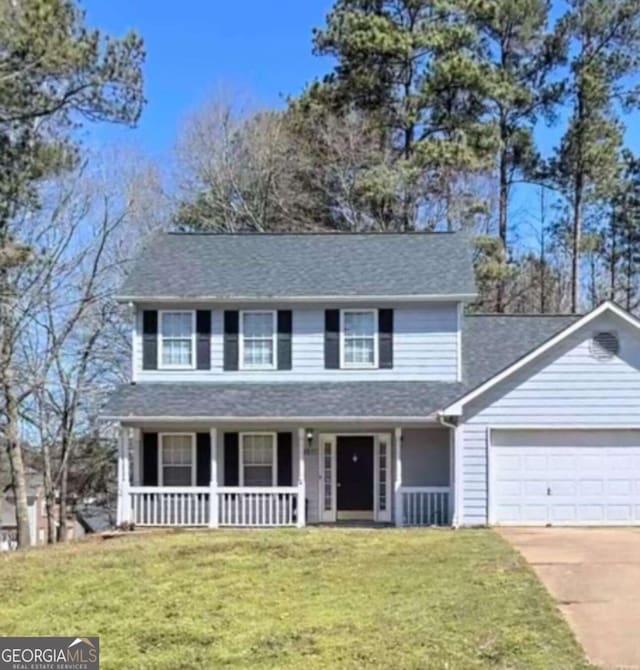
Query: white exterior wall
point(566, 387)
point(425, 347)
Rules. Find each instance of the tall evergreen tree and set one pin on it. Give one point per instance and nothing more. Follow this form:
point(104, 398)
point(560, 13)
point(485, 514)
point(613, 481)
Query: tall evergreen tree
point(604, 50)
point(413, 67)
point(519, 55)
point(622, 237)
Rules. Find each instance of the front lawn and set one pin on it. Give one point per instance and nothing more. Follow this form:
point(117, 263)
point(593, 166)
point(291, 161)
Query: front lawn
point(319, 598)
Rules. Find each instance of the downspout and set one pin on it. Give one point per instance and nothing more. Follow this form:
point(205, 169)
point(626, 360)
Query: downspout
point(458, 498)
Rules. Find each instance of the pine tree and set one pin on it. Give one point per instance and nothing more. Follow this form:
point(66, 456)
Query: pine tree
point(413, 67)
point(519, 56)
point(604, 49)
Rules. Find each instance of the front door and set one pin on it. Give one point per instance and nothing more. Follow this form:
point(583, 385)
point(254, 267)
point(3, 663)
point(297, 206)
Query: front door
point(355, 477)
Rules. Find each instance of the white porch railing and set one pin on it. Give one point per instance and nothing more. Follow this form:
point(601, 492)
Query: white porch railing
point(169, 505)
point(258, 506)
point(425, 505)
point(233, 506)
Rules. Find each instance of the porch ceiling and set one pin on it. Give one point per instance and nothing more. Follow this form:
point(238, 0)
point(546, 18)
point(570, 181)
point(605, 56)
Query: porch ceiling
point(342, 400)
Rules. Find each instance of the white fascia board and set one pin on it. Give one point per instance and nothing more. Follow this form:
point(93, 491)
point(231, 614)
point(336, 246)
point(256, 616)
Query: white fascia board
point(456, 408)
point(346, 299)
point(431, 419)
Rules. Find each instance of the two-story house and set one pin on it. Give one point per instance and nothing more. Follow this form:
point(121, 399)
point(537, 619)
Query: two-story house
point(289, 379)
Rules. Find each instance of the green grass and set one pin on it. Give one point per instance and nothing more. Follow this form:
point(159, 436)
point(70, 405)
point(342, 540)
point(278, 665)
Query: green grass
point(318, 598)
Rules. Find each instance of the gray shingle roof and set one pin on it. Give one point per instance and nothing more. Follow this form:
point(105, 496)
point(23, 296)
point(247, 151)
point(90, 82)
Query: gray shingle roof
point(301, 265)
point(490, 344)
point(287, 400)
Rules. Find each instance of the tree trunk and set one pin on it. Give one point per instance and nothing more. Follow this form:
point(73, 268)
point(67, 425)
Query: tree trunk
point(503, 202)
point(613, 258)
point(16, 462)
point(7, 381)
point(543, 256)
point(64, 492)
point(49, 493)
point(629, 288)
point(576, 241)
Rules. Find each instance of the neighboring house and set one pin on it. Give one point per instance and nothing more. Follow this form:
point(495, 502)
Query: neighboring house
point(294, 379)
point(37, 515)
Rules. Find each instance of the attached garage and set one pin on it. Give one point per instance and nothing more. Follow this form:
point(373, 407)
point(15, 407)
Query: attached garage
point(564, 477)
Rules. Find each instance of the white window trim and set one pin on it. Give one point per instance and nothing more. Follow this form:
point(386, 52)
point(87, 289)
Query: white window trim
point(274, 463)
point(360, 366)
point(161, 437)
point(241, 364)
point(161, 365)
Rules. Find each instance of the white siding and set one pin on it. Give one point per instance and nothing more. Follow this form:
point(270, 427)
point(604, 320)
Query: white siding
point(567, 387)
point(425, 347)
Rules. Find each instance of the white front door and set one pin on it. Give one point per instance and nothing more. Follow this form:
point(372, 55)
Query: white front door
point(328, 480)
point(565, 477)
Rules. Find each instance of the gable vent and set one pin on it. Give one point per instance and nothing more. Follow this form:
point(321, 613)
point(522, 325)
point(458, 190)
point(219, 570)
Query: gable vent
point(604, 345)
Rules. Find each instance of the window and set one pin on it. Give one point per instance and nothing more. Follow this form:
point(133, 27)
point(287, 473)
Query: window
point(177, 459)
point(258, 459)
point(359, 339)
point(258, 340)
point(177, 335)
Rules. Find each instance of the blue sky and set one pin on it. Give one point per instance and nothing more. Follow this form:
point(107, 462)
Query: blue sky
point(257, 46)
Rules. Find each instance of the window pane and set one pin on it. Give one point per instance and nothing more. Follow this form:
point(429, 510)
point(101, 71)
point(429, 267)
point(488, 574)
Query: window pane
point(256, 324)
point(258, 450)
point(176, 476)
point(258, 352)
point(176, 324)
point(257, 476)
point(176, 352)
point(258, 460)
point(176, 450)
point(359, 350)
point(359, 324)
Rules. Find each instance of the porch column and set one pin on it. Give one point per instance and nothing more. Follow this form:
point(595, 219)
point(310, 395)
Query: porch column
point(302, 493)
point(136, 446)
point(214, 519)
point(458, 488)
point(398, 480)
point(124, 503)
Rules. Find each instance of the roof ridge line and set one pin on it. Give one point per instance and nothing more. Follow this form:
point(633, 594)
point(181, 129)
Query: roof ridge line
point(527, 314)
point(311, 233)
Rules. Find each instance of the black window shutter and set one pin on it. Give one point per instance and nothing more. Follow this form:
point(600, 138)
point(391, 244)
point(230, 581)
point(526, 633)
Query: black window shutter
point(332, 339)
point(203, 459)
point(203, 339)
point(231, 340)
point(149, 339)
point(385, 338)
point(231, 460)
point(150, 459)
point(285, 318)
point(285, 459)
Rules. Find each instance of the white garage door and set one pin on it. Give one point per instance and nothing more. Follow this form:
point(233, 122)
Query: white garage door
point(565, 477)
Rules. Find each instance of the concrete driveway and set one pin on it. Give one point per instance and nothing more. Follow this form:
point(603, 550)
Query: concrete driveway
point(594, 575)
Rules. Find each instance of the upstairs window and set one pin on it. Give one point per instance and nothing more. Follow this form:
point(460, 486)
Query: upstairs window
point(177, 459)
point(258, 459)
point(258, 340)
point(359, 338)
point(177, 340)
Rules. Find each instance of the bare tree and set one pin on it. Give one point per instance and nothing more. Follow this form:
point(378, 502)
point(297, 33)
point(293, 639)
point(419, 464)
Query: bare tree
point(235, 170)
point(83, 238)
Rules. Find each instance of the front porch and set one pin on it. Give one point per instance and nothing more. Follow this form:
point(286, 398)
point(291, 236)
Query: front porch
point(231, 476)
